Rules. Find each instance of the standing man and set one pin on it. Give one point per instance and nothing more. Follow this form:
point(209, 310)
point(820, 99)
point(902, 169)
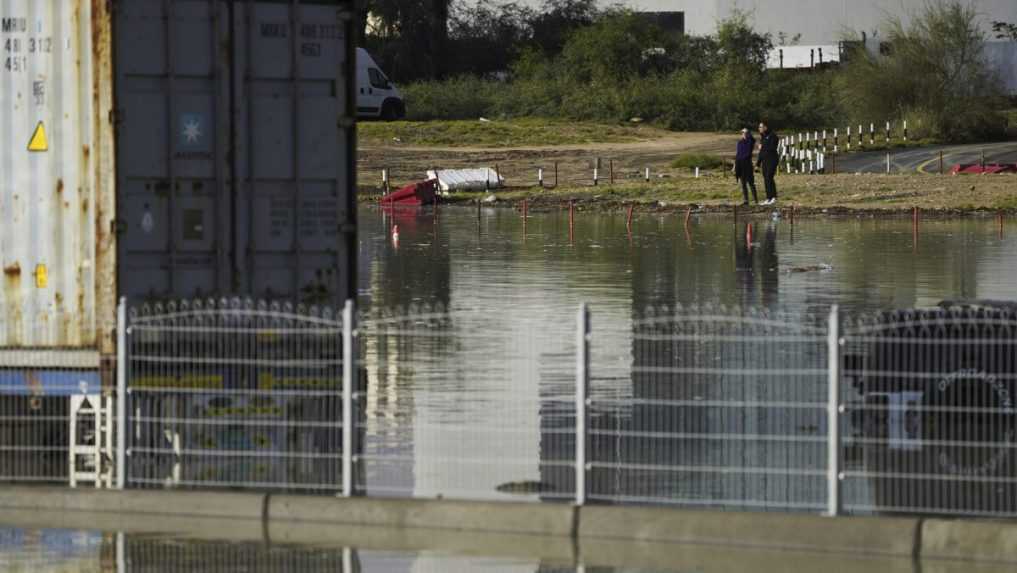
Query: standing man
point(743, 166)
point(768, 160)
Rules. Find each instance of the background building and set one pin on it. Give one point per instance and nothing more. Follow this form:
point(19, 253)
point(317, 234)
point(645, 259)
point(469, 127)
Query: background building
point(818, 21)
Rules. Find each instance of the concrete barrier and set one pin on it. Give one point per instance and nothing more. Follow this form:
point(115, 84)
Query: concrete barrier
point(968, 540)
point(882, 536)
point(152, 502)
point(607, 535)
point(492, 517)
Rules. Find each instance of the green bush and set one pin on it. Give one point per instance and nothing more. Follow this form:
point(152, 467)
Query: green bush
point(458, 98)
point(619, 68)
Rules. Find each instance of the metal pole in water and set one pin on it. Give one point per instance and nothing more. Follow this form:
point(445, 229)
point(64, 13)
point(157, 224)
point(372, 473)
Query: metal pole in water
point(122, 430)
point(540, 177)
point(348, 376)
point(887, 162)
point(833, 499)
point(647, 174)
point(582, 391)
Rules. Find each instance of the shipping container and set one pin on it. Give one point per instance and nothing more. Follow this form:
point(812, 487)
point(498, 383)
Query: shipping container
point(168, 149)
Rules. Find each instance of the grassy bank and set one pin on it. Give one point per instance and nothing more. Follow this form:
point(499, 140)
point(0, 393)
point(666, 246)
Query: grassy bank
point(517, 132)
point(820, 193)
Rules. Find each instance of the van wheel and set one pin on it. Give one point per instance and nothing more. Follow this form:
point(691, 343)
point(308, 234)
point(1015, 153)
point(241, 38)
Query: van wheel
point(391, 110)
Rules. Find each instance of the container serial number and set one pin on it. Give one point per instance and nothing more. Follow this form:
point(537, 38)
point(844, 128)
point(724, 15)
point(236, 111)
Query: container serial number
point(30, 45)
point(16, 64)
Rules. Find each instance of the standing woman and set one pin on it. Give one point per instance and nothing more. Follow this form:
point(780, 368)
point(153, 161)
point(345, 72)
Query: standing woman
point(743, 166)
point(768, 160)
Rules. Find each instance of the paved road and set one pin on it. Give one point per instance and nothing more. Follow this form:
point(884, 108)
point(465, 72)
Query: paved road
point(926, 159)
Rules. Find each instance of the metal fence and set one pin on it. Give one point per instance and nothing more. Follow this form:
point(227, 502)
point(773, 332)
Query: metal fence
point(56, 422)
point(231, 393)
point(425, 416)
point(930, 424)
point(727, 410)
point(702, 407)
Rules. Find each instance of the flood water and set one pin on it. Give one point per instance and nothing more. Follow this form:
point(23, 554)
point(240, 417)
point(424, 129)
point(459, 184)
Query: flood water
point(482, 405)
point(533, 269)
point(43, 550)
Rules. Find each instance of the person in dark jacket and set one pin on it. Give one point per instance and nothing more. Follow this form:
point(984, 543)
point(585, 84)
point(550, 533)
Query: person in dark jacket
point(743, 166)
point(768, 160)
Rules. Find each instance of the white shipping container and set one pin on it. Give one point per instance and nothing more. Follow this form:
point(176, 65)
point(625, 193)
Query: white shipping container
point(166, 149)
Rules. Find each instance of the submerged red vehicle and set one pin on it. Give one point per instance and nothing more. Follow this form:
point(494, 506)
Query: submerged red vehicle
point(414, 194)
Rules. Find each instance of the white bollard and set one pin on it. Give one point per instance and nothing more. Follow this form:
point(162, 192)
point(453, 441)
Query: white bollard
point(697, 173)
point(540, 176)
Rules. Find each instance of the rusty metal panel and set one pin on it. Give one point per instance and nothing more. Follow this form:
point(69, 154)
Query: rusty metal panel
point(233, 158)
point(55, 173)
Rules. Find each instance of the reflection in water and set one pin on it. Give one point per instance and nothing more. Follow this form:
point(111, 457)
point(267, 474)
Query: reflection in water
point(505, 290)
point(73, 551)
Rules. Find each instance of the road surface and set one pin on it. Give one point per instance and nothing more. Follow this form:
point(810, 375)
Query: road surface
point(926, 159)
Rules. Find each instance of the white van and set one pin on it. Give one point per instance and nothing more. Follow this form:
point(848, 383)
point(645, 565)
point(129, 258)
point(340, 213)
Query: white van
point(376, 96)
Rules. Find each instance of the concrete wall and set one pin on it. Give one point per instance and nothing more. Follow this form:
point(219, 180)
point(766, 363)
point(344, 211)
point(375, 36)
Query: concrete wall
point(595, 534)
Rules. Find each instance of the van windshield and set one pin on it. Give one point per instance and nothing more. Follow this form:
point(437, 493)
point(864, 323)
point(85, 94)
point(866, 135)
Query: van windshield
point(378, 79)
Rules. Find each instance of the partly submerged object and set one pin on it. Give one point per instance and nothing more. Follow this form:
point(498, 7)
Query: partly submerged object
point(466, 179)
point(421, 193)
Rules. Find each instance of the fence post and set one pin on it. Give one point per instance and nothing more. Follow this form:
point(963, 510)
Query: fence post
point(833, 498)
point(349, 371)
point(582, 391)
point(121, 423)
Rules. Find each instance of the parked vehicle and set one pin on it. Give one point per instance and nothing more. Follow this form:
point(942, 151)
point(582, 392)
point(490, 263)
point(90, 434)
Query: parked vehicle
point(377, 97)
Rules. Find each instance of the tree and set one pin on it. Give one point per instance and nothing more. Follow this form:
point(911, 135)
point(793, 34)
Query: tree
point(486, 37)
point(1005, 31)
point(408, 36)
point(558, 19)
point(935, 70)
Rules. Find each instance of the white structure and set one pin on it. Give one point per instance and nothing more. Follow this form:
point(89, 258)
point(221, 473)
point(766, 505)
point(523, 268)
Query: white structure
point(802, 56)
point(818, 21)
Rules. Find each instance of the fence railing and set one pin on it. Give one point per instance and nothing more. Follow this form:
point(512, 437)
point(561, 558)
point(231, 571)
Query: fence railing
point(703, 407)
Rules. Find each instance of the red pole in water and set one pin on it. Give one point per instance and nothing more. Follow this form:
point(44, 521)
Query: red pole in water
point(748, 236)
point(525, 208)
point(688, 215)
point(571, 219)
point(628, 222)
point(1000, 217)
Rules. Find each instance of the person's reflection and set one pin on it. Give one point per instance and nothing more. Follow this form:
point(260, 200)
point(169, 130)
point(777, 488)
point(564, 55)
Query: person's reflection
point(769, 271)
point(757, 268)
point(744, 264)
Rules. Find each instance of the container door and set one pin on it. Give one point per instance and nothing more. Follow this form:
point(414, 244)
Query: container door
point(173, 136)
point(291, 157)
point(231, 151)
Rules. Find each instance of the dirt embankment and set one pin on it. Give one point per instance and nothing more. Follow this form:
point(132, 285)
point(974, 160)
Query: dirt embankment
point(519, 165)
point(677, 188)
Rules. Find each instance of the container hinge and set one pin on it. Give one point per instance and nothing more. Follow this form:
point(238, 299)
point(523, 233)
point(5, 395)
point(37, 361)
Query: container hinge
point(115, 116)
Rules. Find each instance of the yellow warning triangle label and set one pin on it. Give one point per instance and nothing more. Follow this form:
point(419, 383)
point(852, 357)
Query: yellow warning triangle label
point(39, 141)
